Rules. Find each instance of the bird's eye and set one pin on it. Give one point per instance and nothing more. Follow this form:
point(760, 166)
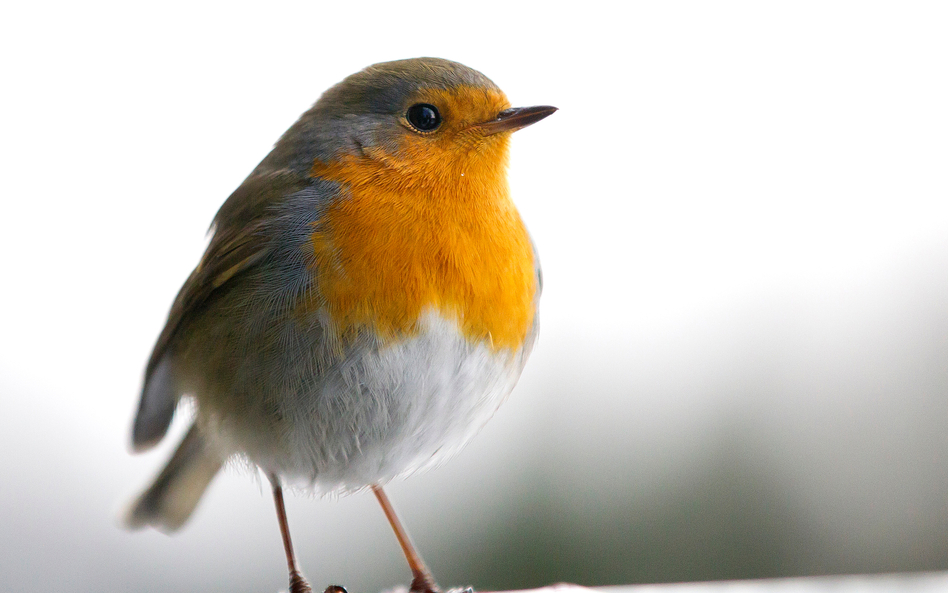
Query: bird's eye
point(423, 117)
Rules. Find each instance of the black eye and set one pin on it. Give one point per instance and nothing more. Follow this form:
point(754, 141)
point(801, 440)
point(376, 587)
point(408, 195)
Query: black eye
point(423, 117)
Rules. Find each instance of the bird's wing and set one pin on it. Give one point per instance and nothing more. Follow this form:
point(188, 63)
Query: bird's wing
point(237, 245)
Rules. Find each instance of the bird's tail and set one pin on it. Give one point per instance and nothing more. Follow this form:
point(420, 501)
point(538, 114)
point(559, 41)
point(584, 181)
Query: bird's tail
point(171, 498)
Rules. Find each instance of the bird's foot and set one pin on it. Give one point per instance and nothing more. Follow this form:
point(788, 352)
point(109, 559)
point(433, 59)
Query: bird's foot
point(423, 583)
point(298, 584)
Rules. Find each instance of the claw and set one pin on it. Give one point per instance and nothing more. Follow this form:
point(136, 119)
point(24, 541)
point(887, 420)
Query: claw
point(298, 584)
point(423, 583)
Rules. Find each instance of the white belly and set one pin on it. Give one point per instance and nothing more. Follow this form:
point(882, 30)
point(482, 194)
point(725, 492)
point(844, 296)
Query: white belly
point(382, 412)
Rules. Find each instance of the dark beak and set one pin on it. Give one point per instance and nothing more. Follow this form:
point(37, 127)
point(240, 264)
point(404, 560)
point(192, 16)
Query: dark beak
point(511, 120)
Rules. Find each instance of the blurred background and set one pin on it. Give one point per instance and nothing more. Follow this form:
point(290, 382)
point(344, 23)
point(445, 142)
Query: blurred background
point(742, 214)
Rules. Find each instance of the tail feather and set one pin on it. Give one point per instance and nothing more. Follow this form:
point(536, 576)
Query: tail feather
point(172, 497)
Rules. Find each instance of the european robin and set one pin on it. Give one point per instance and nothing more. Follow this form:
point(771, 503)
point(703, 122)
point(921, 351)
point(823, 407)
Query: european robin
point(367, 300)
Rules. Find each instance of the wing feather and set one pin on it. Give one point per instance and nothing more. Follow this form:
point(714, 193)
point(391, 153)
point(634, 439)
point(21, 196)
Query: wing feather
point(239, 243)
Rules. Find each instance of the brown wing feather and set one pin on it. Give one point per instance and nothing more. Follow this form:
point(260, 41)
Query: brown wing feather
point(238, 244)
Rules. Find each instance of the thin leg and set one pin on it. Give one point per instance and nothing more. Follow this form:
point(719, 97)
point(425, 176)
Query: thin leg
point(422, 581)
point(297, 583)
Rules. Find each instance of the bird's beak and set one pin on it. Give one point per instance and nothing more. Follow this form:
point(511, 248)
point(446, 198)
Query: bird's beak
point(513, 119)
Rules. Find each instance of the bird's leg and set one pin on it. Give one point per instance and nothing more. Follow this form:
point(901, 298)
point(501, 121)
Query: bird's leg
point(297, 583)
point(422, 581)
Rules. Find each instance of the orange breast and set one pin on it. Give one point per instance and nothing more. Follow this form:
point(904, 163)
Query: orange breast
point(443, 236)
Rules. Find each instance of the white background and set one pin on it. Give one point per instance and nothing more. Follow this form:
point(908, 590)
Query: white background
point(742, 213)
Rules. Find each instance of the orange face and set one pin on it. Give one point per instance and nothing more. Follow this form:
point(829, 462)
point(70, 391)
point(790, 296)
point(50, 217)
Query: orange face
point(428, 226)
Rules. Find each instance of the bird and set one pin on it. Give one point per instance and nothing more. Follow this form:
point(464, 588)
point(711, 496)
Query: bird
point(367, 300)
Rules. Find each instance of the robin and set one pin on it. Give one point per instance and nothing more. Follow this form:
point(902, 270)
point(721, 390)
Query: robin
point(367, 300)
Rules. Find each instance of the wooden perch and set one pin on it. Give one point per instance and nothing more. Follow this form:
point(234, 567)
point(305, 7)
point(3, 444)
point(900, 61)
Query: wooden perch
point(860, 583)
